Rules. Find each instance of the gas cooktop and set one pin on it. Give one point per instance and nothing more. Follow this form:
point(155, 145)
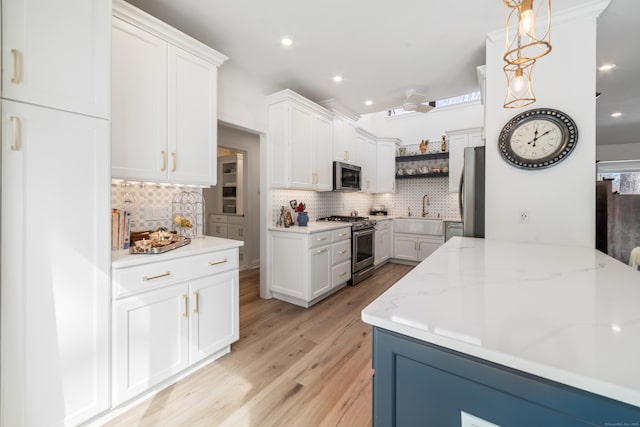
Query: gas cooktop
point(357, 222)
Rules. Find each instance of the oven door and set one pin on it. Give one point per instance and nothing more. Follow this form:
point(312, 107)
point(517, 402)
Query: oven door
point(363, 249)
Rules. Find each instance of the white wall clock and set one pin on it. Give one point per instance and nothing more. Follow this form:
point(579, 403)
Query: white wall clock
point(538, 138)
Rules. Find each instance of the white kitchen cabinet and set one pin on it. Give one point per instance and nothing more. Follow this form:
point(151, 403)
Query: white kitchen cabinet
point(458, 141)
point(54, 54)
point(300, 139)
point(164, 102)
point(170, 315)
point(415, 247)
point(366, 149)
point(386, 165)
point(344, 139)
point(55, 266)
point(383, 244)
point(308, 267)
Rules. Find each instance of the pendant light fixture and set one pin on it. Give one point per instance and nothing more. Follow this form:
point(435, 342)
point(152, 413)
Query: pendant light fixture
point(526, 40)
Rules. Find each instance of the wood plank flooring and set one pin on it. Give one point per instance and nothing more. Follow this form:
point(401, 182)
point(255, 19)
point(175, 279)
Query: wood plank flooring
point(291, 367)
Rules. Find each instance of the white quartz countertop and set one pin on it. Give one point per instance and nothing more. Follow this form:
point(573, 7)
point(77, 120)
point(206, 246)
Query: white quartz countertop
point(312, 227)
point(199, 245)
point(568, 314)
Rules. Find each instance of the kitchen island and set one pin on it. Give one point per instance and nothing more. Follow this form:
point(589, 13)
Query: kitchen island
point(516, 334)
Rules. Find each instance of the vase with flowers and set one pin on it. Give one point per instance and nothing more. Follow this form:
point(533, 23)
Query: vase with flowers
point(303, 217)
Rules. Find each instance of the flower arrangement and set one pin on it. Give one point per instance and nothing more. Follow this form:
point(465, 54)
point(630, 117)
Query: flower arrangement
point(300, 207)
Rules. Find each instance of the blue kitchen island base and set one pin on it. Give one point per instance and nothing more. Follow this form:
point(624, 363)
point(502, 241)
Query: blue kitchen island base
point(421, 384)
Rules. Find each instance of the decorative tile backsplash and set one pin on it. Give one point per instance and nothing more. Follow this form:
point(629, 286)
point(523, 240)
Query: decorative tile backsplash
point(408, 196)
point(149, 204)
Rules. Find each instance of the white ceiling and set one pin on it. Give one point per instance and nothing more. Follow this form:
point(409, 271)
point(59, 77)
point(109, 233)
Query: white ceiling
point(382, 49)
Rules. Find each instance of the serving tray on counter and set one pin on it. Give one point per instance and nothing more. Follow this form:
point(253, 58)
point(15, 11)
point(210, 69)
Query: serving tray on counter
point(179, 242)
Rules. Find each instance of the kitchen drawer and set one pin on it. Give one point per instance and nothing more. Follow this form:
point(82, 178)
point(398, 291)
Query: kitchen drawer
point(340, 273)
point(218, 218)
point(319, 239)
point(341, 252)
point(383, 225)
point(148, 277)
point(235, 232)
point(217, 229)
point(341, 234)
point(239, 220)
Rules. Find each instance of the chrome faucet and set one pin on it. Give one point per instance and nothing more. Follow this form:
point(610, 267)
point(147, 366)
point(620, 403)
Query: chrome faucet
point(408, 210)
point(425, 202)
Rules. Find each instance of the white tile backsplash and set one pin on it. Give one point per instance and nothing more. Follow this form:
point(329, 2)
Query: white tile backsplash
point(408, 195)
point(149, 204)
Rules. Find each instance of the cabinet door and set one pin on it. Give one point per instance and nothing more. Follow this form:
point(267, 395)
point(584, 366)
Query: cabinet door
point(301, 138)
point(217, 229)
point(367, 157)
point(457, 143)
point(344, 140)
point(56, 53)
point(426, 248)
point(320, 272)
point(235, 232)
point(386, 167)
point(383, 245)
point(192, 118)
point(213, 320)
point(322, 132)
point(138, 104)
point(405, 248)
point(55, 266)
point(150, 340)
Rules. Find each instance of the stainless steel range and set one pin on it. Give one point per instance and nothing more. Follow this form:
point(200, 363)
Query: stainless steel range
point(362, 245)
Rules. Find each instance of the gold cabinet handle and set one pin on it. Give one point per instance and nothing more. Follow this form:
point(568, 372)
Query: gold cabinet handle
point(320, 239)
point(173, 158)
point(212, 263)
point(16, 66)
point(343, 274)
point(196, 308)
point(342, 234)
point(15, 121)
point(343, 252)
point(321, 250)
point(164, 161)
point(346, 154)
point(165, 274)
point(186, 306)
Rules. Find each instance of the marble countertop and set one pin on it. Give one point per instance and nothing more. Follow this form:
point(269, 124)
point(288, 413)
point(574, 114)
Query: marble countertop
point(312, 227)
point(199, 245)
point(567, 314)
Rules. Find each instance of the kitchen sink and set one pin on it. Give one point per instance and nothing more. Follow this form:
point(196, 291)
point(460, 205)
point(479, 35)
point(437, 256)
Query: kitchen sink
point(417, 225)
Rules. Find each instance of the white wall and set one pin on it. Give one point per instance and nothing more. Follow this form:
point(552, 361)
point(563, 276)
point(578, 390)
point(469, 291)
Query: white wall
point(618, 151)
point(414, 127)
point(250, 143)
point(560, 200)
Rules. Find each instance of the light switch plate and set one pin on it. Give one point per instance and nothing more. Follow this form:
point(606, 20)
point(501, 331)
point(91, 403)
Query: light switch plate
point(468, 420)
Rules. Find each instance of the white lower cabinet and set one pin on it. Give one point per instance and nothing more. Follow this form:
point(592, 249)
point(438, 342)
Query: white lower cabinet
point(415, 247)
point(171, 315)
point(383, 243)
point(307, 267)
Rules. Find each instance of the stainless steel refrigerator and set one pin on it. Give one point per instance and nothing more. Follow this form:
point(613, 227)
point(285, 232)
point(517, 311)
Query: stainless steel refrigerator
point(471, 195)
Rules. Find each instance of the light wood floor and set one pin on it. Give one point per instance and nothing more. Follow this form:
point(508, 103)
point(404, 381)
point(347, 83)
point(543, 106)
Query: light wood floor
point(291, 367)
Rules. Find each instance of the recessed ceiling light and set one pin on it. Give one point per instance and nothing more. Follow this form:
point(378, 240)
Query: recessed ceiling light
point(286, 41)
point(617, 114)
point(606, 67)
point(337, 79)
point(368, 102)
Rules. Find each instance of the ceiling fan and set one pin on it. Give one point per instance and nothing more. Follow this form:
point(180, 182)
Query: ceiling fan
point(417, 102)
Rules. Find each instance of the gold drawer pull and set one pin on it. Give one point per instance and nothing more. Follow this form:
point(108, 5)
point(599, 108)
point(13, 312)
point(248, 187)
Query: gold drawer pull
point(342, 234)
point(343, 252)
point(173, 157)
point(147, 278)
point(15, 121)
point(196, 309)
point(343, 274)
point(16, 66)
point(164, 161)
point(186, 306)
point(320, 239)
point(321, 251)
point(212, 263)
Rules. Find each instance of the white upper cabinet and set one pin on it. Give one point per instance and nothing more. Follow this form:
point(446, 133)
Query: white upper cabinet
point(386, 165)
point(458, 141)
point(366, 150)
point(344, 139)
point(164, 102)
point(300, 142)
point(51, 54)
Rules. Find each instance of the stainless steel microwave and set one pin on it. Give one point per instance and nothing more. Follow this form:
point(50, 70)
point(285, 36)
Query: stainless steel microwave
point(346, 177)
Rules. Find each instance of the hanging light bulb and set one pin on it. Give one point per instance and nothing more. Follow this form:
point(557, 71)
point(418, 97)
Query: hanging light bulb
point(518, 81)
point(519, 87)
point(527, 18)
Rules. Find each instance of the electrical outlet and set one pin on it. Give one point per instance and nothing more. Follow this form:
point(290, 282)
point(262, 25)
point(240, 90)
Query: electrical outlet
point(468, 420)
point(524, 217)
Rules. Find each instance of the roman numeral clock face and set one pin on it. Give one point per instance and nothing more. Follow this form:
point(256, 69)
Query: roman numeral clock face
point(538, 139)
